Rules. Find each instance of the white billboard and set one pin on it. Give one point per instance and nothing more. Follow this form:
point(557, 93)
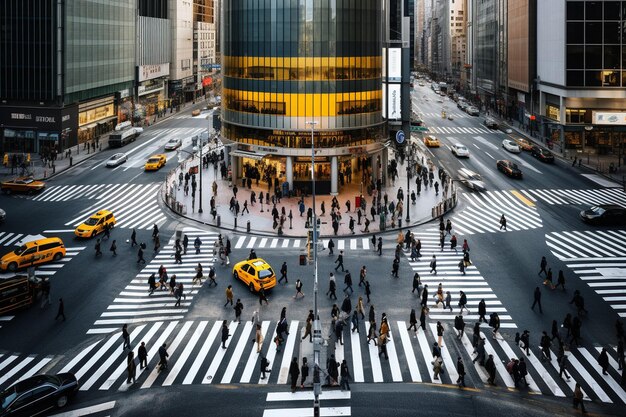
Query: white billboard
point(148, 72)
point(394, 102)
point(394, 63)
point(609, 118)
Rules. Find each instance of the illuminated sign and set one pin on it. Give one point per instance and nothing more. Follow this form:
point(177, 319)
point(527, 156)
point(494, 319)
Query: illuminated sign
point(609, 118)
point(394, 69)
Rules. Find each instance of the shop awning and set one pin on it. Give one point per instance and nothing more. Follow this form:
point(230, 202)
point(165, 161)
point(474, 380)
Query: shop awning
point(246, 154)
point(108, 119)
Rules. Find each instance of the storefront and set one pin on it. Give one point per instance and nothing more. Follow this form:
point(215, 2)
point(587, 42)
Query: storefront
point(34, 130)
point(96, 118)
point(151, 90)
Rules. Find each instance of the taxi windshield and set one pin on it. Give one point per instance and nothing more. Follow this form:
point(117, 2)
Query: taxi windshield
point(92, 221)
point(153, 160)
point(265, 273)
point(20, 250)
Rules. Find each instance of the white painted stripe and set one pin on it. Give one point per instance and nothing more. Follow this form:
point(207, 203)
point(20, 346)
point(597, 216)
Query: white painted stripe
point(357, 359)
point(377, 372)
point(137, 320)
point(366, 243)
point(35, 369)
point(307, 412)
point(538, 367)
point(202, 354)
point(427, 354)
point(244, 340)
point(79, 357)
point(394, 364)
point(154, 352)
point(408, 352)
point(14, 239)
point(254, 356)
point(482, 373)
point(307, 396)
point(508, 381)
point(595, 387)
point(447, 358)
point(341, 244)
point(285, 243)
point(288, 352)
point(182, 359)
point(87, 410)
point(353, 244)
point(240, 242)
point(263, 242)
point(296, 243)
point(270, 355)
point(9, 374)
point(274, 243)
point(607, 378)
point(251, 242)
point(219, 355)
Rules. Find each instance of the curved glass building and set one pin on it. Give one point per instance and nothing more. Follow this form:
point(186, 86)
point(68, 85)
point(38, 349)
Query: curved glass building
point(288, 63)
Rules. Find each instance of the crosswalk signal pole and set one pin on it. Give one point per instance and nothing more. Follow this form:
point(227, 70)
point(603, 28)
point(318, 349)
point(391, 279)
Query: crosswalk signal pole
point(317, 330)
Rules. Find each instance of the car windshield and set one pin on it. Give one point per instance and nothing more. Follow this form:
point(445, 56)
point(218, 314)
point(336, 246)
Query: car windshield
point(117, 156)
point(153, 160)
point(514, 166)
point(24, 181)
point(461, 147)
point(7, 397)
point(265, 273)
point(597, 210)
point(546, 152)
point(172, 141)
point(20, 250)
point(92, 221)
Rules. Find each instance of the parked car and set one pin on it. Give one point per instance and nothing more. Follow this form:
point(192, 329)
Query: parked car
point(510, 146)
point(542, 154)
point(116, 160)
point(471, 179)
point(38, 394)
point(509, 168)
point(22, 185)
point(604, 214)
point(460, 150)
point(491, 123)
point(173, 144)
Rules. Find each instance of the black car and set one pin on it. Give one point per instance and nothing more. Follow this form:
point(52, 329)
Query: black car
point(37, 394)
point(606, 214)
point(543, 155)
point(509, 168)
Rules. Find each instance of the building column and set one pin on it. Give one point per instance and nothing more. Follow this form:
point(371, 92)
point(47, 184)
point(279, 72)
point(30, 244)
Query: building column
point(289, 171)
point(234, 163)
point(334, 177)
point(384, 156)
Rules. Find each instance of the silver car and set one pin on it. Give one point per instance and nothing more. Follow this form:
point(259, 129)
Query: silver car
point(511, 146)
point(173, 144)
point(116, 159)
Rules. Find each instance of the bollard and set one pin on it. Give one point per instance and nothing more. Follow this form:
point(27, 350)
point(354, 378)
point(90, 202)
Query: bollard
point(71, 161)
point(248, 226)
point(400, 223)
point(219, 220)
point(235, 222)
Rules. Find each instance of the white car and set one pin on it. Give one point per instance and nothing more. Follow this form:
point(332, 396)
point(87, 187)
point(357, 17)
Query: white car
point(460, 150)
point(472, 111)
point(471, 179)
point(173, 144)
point(116, 159)
point(511, 146)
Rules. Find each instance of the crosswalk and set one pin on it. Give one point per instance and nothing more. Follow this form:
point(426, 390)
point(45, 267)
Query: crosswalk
point(460, 130)
point(472, 283)
point(11, 239)
point(298, 404)
point(483, 211)
point(196, 356)
point(598, 257)
point(577, 196)
point(134, 205)
point(250, 242)
point(454, 115)
point(134, 305)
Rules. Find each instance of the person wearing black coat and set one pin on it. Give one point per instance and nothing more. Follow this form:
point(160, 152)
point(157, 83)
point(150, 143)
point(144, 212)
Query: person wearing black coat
point(225, 334)
point(412, 320)
point(482, 311)
point(304, 372)
point(263, 366)
point(294, 373)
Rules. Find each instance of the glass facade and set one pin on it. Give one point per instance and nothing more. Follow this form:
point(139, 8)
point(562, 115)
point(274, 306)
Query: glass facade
point(596, 44)
point(99, 48)
point(290, 61)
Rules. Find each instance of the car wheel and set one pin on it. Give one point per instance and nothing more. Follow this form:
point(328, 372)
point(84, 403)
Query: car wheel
point(57, 256)
point(235, 275)
point(251, 286)
point(62, 401)
point(93, 233)
point(12, 267)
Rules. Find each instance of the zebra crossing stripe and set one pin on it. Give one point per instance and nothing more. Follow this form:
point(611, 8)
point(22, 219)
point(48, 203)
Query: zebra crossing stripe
point(35, 369)
point(244, 340)
point(545, 376)
point(263, 242)
point(7, 361)
point(307, 412)
point(219, 356)
point(445, 355)
point(357, 365)
point(589, 379)
point(254, 357)
point(270, 355)
point(408, 352)
point(377, 372)
point(15, 369)
point(607, 378)
point(426, 352)
point(288, 352)
point(182, 359)
point(76, 359)
point(534, 388)
point(202, 354)
point(286, 243)
point(482, 373)
point(306, 396)
point(489, 350)
point(366, 243)
point(171, 350)
point(114, 376)
point(251, 242)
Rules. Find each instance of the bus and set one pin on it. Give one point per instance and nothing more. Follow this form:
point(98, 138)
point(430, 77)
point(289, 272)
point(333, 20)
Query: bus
point(16, 292)
point(123, 137)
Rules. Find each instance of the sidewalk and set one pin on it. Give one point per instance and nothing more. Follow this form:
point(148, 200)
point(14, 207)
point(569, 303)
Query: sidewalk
point(260, 216)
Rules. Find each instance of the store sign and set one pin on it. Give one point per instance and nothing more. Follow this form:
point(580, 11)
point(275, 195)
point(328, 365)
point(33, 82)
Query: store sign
point(148, 72)
point(43, 118)
point(609, 118)
point(93, 115)
point(553, 112)
point(393, 101)
point(395, 64)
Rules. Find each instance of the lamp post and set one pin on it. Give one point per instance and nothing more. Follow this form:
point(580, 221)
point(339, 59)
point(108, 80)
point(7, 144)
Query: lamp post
point(317, 331)
point(408, 190)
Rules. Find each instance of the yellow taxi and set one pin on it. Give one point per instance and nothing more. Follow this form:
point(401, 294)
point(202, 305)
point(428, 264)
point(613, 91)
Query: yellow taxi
point(33, 253)
point(155, 162)
point(254, 272)
point(96, 224)
point(22, 185)
point(431, 142)
point(524, 144)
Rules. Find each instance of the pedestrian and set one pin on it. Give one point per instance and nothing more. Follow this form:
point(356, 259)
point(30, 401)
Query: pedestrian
point(155, 231)
point(416, 283)
point(462, 303)
point(555, 331)
point(298, 289)
point(482, 311)
point(157, 243)
point(579, 398)
point(459, 326)
point(433, 265)
point(423, 314)
point(355, 321)
point(440, 331)
point(332, 287)
point(460, 370)
point(345, 376)
point(563, 363)
point(304, 372)
point(61, 310)
point(97, 248)
point(490, 367)
point(332, 367)
point(331, 247)
point(542, 266)
point(294, 373)
point(142, 354)
point(522, 370)
point(620, 355)
point(537, 299)
point(229, 295)
point(140, 254)
point(424, 295)
point(258, 338)
point(560, 280)
point(163, 355)
point(502, 222)
point(371, 333)
point(113, 248)
point(283, 273)
point(238, 309)
point(461, 266)
point(548, 281)
point(494, 322)
point(264, 363)
point(131, 367)
point(262, 296)
point(362, 275)
point(347, 280)
point(525, 340)
point(126, 337)
point(545, 345)
point(379, 246)
point(368, 291)
point(339, 261)
point(212, 281)
point(412, 321)
point(382, 346)
point(196, 244)
point(225, 334)
point(133, 238)
point(603, 361)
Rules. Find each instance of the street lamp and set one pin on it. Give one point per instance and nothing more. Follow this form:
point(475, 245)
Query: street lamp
point(317, 331)
point(408, 190)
